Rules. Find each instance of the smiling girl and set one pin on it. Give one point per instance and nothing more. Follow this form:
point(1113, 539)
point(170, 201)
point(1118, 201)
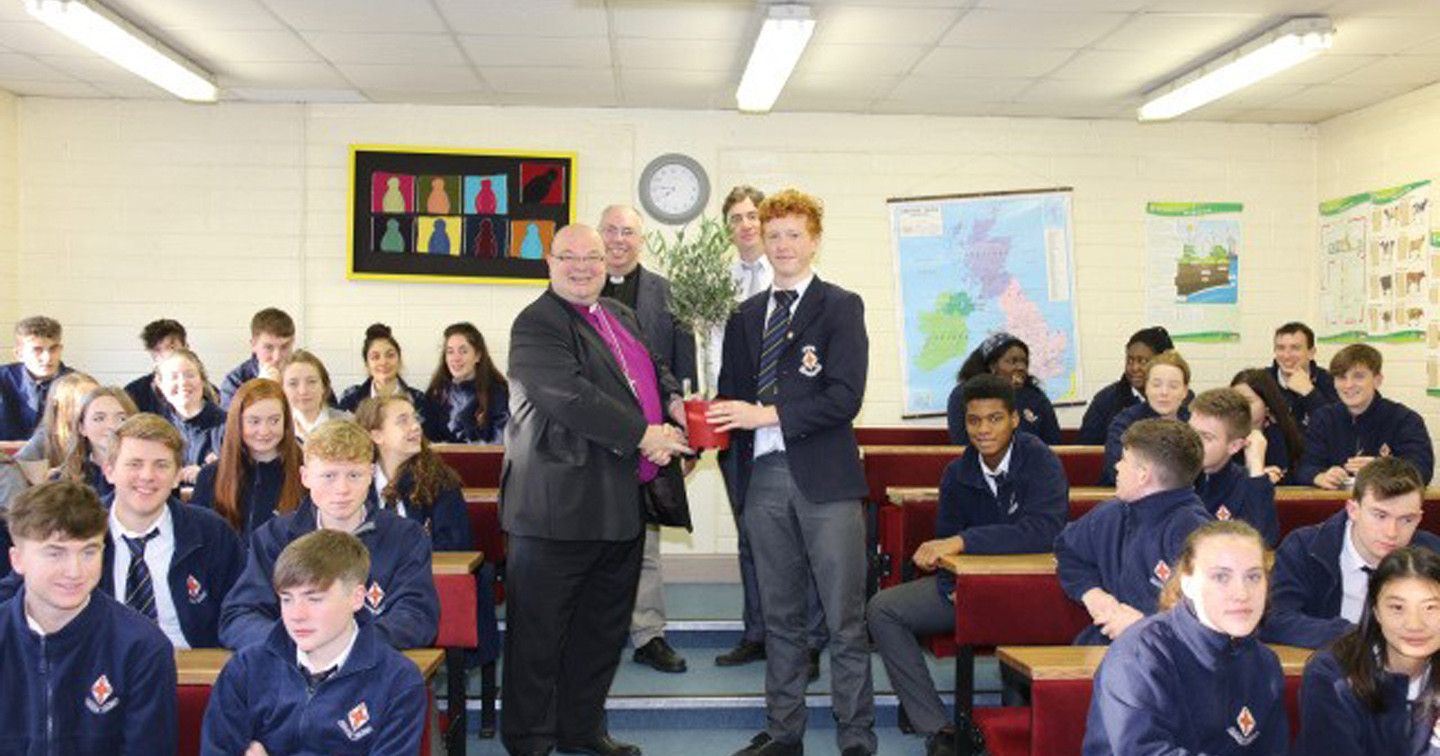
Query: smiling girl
point(1167, 392)
point(471, 397)
point(383, 365)
point(182, 381)
point(258, 473)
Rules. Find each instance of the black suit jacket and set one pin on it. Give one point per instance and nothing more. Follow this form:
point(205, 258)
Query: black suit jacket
point(822, 369)
point(668, 337)
point(571, 446)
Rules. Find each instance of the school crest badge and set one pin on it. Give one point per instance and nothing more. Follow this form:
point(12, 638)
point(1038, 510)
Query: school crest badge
point(195, 590)
point(1244, 731)
point(102, 696)
point(810, 361)
point(1161, 572)
point(374, 596)
point(1030, 415)
point(1223, 513)
point(356, 723)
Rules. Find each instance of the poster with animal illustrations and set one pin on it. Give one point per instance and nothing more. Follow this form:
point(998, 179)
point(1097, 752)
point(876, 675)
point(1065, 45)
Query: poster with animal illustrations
point(1376, 267)
point(456, 215)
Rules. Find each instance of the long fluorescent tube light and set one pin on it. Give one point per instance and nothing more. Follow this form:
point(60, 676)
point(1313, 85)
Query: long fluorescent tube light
point(1289, 44)
point(100, 29)
point(778, 47)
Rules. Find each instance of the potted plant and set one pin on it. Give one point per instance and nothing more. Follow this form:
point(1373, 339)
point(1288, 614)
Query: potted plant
point(702, 296)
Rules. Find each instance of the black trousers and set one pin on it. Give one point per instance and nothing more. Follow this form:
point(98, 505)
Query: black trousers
point(567, 615)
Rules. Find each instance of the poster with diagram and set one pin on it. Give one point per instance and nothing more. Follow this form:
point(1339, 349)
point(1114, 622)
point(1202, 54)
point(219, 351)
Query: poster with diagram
point(1192, 274)
point(1376, 265)
point(1432, 327)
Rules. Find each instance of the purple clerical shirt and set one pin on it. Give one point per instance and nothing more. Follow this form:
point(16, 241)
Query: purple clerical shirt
point(635, 362)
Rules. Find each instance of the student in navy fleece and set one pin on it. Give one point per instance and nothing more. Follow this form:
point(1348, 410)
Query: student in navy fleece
point(1284, 441)
point(82, 675)
point(1306, 387)
point(258, 473)
point(1115, 559)
point(1006, 494)
point(182, 381)
point(1227, 489)
point(272, 339)
point(1194, 679)
point(1321, 571)
point(383, 365)
point(1108, 402)
point(191, 556)
point(400, 596)
point(1345, 436)
point(101, 411)
point(470, 397)
point(309, 393)
point(1005, 355)
point(161, 337)
point(24, 384)
point(1167, 392)
point(320, 682)
point(1376, 690)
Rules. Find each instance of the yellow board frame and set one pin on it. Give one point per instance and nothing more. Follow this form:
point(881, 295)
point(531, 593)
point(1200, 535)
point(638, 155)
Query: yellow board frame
point(353, 275)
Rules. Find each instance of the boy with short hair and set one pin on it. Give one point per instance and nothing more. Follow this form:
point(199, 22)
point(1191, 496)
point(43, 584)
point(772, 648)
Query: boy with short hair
point(1305, 385)
point(272, 339)
point(1007, 494)
point(400, 595)
point(81, 674)
point(167, 560)
point(1322, 572)
point(161, 337)
point(1229, 490)
point(25, 384)
point(1116, 558)
point(1342, 438)
point(320, 682)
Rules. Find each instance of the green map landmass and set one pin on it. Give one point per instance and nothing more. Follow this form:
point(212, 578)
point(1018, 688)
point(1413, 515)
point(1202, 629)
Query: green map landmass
point(946, 334)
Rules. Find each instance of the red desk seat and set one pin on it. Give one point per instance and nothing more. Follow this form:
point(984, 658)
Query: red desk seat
point(478, 466)
point(1006, 728)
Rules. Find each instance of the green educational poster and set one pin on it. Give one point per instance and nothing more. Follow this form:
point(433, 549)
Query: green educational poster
point(1192, 271)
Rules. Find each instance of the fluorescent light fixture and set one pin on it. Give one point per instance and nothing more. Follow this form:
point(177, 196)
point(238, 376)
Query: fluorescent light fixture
point(782, 39)
point(1289, 44)
point(100, 29)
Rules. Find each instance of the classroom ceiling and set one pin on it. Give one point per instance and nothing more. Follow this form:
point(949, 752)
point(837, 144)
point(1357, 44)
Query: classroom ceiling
point(1048, 58)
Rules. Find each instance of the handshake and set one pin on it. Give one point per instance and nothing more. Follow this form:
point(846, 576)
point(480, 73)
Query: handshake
point(662, 442)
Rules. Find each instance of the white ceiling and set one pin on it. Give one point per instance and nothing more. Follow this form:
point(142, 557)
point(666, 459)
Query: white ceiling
point(1058, 58)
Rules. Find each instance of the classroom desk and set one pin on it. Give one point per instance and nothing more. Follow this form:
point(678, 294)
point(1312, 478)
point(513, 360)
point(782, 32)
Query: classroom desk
point(197, 669)
point(1055, 682)
point(454, 573)
point(476, 465)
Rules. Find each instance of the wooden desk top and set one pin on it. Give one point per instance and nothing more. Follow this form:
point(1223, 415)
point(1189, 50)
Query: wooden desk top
point(482, 495)
point(467, 449)
point(955, 451)
point(200, 666)
point(1000, 564)
point(1080, 662)
point(455, 562)
point(906, 494)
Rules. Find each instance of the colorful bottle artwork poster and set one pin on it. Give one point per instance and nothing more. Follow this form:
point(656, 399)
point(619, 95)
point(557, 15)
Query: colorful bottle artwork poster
point(1192, 276)
point(392, 192)
point(487, 195)
point(392, 233)
point(487, 237)
point(440, 195)
point(1377, 271)
point(530, 238)
point(438, 235)
point(542, 183)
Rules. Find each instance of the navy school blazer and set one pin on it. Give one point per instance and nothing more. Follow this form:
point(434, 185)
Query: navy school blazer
point(1104, 406)
point(1233, 494)
point(445, 522)
point(259, 494)
point(1333, 722)
point(1114, 448)
point(1333, 435)
point(1037, 414)
point(22, 400)
point(1302, 406)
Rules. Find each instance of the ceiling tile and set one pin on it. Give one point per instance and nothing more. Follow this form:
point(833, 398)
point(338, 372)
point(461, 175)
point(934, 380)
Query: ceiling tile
point(1394, 71)
point(692, 55)
point(1260, 95)
point(1071, 91)
point(1391, 8)
point(646, 88)
point(936, 107)
point(410, 97)
point(1189, 32)
point(215, 45)
point(1331, 97)
point(569, 52)
point(997, 64)
point(670, 20)
point(1285, 115)
point(434, 79)
point(26, 88)
point(853, 87)
point(290, 94)
point(920, 89)
point(869, 25)
point(1123, 6)
point(318, 76)
point(1031, 30)
point(38, 39)
point(391, 16)
point(90, 68)
point(230, 15)
point(1373, 35)
point(1323, 69)
point(387, 49)
point(14, 66)
point(1258, 8)
point(539, 18)
point(550, 80)
point(805, 103)
point(1127, 71)
point(600, 98)
point(860, 59)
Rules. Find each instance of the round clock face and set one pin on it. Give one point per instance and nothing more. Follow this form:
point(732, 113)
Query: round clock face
point(674, 188)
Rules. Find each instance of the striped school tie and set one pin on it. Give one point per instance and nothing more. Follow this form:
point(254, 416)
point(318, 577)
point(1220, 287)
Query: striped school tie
point(776, 330)
point(139, 593)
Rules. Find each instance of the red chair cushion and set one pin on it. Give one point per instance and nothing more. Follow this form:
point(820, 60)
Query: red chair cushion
point(485, 529)
point(1006, 729)
point(478, 466)
point(457, 611)
point(1015, 610)
point(1059, 709)
point(190, 706)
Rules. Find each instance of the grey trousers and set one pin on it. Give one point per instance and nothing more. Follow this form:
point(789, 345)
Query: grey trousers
point(795, 540)
point(898, 617)
point(754, 616)
point(647, 622)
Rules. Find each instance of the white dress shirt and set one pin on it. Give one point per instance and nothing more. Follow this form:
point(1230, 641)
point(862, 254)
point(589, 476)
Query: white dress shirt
point(750, 279)
point(771, 438)
point(158, 553)
point(1001, 469)
point(380, 483)
point(303, 659)
point(1354, 580)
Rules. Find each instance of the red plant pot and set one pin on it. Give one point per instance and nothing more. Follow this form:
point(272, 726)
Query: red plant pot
point(702, 434)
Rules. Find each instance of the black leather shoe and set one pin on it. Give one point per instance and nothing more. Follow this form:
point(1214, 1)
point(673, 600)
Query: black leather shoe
point(743, 653)
point(602, 745)
point(814, 673)
point(764, 745)
point(659, 655)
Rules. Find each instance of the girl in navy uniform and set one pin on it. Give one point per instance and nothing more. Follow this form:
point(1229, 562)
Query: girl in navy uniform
point(193, 409)
point(1167, 392)
point(1230, 490)
point(258, 473)
point(1116, 558)
point(1194, 678)
point(383, 366)
point(101, 412)
point(1108, 402)
point(1284, 442)
point(1377, 690)
point(470, 396)
point(45, 450)
point(1005, 355)
point(309, 393)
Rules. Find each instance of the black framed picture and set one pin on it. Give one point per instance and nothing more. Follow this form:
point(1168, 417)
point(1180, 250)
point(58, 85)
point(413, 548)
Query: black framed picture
point(456, 216)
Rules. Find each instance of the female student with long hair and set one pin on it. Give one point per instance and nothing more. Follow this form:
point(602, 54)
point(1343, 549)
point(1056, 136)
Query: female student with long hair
point(258, 473)
point(309, 393)
point(1270, 413)
point(1007, 356)
point(101, 411)
point(1377, 689)
point(470, 396)
point(192, 409)
point(1167, 394)
point(383, 366)
point(1195, 678)
point(44, 452)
